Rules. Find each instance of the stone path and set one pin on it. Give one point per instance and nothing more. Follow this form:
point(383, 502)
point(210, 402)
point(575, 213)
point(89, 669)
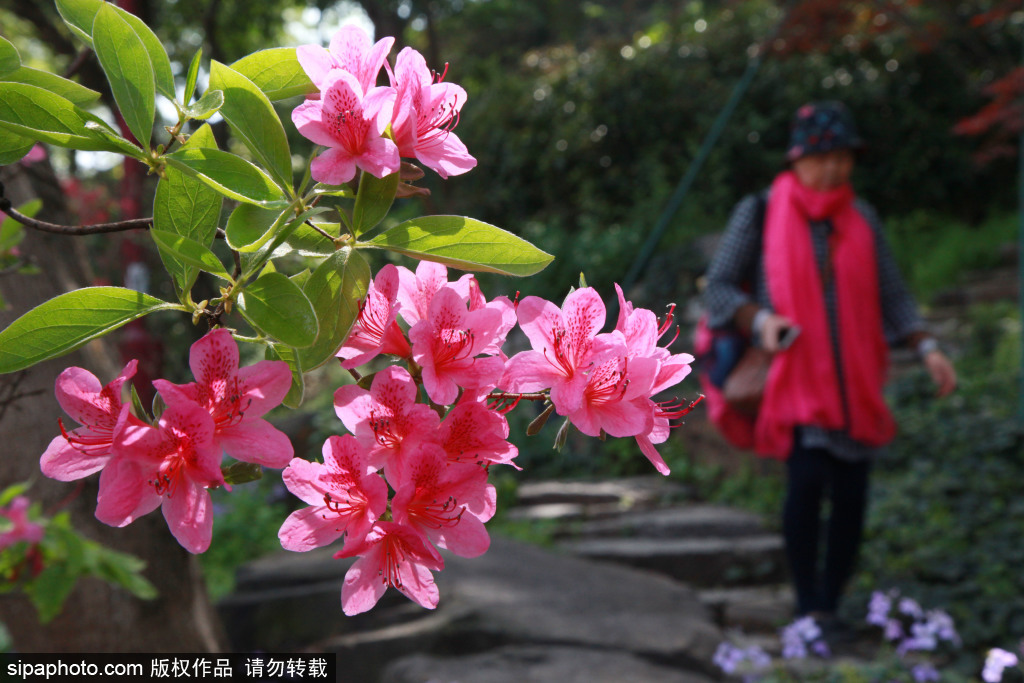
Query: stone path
point(639, 582)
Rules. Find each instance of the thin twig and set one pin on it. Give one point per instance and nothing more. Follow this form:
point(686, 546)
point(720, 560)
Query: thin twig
point(320, 230)
point(95, 229)
point(79, 60)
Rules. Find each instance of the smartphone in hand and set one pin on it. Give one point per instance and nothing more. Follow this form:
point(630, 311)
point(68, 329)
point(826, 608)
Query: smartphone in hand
point(787, 336)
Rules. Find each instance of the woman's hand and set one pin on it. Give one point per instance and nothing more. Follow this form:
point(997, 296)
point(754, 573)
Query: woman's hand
point(770, 330)
point(942, 371)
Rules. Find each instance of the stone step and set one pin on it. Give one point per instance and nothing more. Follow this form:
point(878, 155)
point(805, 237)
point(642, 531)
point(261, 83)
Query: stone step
point(515, 664)
point(288, 600)
point(758, 609)
point(682, 522)
point(701, 562)
point(625, 493)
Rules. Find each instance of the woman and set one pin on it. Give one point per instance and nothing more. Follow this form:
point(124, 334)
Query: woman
point(809, 258)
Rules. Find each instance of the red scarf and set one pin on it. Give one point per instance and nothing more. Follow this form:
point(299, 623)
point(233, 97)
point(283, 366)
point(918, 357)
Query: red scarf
point(803, 386)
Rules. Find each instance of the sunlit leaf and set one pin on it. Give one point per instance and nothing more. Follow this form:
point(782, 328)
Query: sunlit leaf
point(289, 355)
point(129, 70)
point(38, 114)
point(10, 60)
point(276, 72)
point(69, 90)
point(192, 76)
point(189, 252)
point(231, 175)
point(276, 305)
point(335, 289)
point(68, 321)
point(373, 201)
point(206, 106)
point(463, 243)
point(186, 206)
point(253, 119)
point(79, 15)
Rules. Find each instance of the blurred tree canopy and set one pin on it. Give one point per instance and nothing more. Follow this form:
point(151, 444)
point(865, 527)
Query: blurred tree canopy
point(585, 115)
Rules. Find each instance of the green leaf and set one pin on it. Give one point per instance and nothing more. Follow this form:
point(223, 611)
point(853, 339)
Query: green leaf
point(69, 90)
point(310, 242)
point(276, 305)
point(333, 190)
point(193, 76)
point(10, 60)
point(138, 409)
point(293, 399)
point(250, 227)
point(276, 72)
point(122, 570)
point(51, 588)
point(253, 119)
point(115, 141)
point(68, 321)
point(13, 147)
point(79, 15)
point(230, 175)
point(39, 114)
point(253, 261)
point(241, 473)
point(335, 288)
point(373, 201)
point(463, 243)
point(12, 492)
point(11, 231)
point(126, 63)
point(186, 206)
point(189, 252)
point(207, 105)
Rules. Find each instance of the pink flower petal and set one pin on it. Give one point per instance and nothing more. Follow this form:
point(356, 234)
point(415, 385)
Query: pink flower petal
point(189, 515)
point(335, 166)
point(258, 442)
point(307, 529)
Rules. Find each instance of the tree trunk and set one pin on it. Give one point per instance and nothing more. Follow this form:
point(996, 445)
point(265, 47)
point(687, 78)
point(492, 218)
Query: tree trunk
point(97, 617)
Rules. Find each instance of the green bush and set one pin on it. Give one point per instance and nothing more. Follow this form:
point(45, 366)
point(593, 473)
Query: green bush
point(947, 520)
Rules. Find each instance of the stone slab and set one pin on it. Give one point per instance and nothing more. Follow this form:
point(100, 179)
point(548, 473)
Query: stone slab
point(536, 664)
point(686, 521)
point(697, 561)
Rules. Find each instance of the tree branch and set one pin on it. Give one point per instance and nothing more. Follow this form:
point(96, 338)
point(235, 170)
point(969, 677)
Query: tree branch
point(95, 229)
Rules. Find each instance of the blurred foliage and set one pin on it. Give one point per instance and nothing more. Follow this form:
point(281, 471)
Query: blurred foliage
point(947, 518)
point(934, 252)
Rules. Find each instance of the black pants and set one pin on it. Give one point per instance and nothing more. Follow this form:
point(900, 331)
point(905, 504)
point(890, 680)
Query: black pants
point(814, 476)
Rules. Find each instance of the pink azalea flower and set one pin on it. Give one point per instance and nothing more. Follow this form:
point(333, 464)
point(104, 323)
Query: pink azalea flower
point(350, 123)
point(387, 419)
point(566, 347)
point(237, 398)
point(21, 529)
point(425, 114)
point(350, 51)
point(472, 433)
point(642, 332)
point(615, 398)
point(434, 496)
point(376, 329)
point(417, 290)
point(170, 465)
point(345, 496)
point(390, 555)
point(82, 451)
point(447, 343)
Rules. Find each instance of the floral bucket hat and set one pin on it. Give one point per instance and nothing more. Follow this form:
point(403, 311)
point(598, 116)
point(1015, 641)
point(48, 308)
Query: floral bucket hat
point(822, 127)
